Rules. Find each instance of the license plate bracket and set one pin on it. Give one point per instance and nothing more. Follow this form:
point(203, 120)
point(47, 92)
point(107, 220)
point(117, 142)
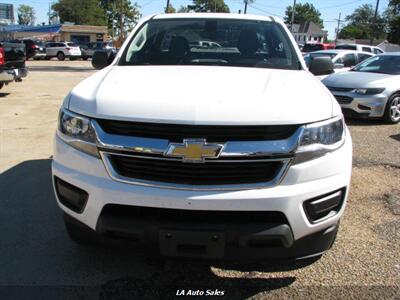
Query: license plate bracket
point(199, 244)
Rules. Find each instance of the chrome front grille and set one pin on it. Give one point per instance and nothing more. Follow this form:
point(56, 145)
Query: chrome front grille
point(240, 164)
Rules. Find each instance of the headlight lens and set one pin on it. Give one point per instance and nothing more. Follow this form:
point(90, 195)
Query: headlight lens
point(320, 138)
point(369, 91)
point(77, 131)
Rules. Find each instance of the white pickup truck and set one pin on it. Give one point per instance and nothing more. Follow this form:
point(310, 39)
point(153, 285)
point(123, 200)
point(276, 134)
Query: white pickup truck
point(177, 149)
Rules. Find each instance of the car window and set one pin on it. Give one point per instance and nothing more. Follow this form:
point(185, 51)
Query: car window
point(72, 45)
point(362, 57)
point(346, 47)
point(366, 49)
point(377, 51)
point(312, 47)
point(349, 60)
point(211, 42)
point(385, 64)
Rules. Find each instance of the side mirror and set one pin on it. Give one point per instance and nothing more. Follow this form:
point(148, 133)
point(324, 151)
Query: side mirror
point(338, 66)
point(102, 58)
point(321, 66)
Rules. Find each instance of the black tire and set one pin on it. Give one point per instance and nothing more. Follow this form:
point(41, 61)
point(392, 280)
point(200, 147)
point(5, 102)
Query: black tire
point(1, 85)
point(78, 232)
point(392, 115)
point(85, 57)
point(60, 56)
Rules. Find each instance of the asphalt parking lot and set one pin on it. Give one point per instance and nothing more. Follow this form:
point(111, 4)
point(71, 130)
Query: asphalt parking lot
point(36, 255)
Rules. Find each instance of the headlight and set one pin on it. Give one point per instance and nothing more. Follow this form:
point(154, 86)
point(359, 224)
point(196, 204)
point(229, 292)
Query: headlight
point(369, 91)
point(77, 131)
point(320, 138)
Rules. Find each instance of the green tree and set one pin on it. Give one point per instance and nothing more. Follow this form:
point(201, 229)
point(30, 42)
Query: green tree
point(26, 15)
point(171, 9)
point(86, 12)
point(206, 5)
point(121, 15)
point(392, 14)
point(184, 9)
point(304, 13)
point(360, 24)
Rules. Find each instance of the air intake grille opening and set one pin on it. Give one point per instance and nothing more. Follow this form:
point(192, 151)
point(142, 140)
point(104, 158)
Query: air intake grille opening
point(208, 173)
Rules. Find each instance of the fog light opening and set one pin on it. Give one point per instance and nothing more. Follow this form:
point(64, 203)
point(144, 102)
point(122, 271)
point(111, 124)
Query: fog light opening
point(363, 107)
point(324, 207)
point(70, 196)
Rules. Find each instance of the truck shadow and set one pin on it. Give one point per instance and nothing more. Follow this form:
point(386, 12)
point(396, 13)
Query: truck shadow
point(36, 252)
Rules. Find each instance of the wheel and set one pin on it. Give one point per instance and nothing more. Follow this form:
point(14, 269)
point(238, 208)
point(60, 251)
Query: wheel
point(78, 232)
point(392, 111)
point(85, 57)
point(60, 56)
point(1, 85)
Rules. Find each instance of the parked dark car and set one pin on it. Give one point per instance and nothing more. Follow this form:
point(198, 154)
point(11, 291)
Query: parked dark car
point(34, 49)
point(89, 49)
point(12, 62)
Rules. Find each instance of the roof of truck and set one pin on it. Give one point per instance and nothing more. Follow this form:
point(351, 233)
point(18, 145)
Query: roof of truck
point(214, 16)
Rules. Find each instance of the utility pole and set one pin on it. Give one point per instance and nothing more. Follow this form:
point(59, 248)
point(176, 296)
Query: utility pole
point(121, 19)
point(374, 22)
point(166, 9)
point(338, 27)
point(245, 6)
point(293, 12)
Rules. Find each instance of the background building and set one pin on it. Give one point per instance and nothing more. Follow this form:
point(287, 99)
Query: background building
point(309, 32)
point(6, 13)
point(58, 32)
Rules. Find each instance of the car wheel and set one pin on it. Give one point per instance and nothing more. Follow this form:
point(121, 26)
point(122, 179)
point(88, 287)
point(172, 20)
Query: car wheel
point(392, 112)
point(85, 58)
point(1, 85)
point(60, 56)
point(78, 232)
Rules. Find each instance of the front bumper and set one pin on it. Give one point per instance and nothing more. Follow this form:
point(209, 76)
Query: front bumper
point(302, 182)
point(371, 106)
point(8, 75)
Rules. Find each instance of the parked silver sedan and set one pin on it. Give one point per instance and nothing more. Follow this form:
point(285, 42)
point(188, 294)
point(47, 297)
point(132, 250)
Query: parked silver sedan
point(370, 89)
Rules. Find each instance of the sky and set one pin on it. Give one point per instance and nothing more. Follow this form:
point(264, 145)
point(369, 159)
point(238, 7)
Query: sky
point(329, 9)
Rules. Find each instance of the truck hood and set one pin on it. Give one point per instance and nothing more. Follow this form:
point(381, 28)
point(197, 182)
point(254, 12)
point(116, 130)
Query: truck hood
point(354, 79)
point(203, 95)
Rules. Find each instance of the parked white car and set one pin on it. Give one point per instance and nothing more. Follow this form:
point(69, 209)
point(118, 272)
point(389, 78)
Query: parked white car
point(343, 60)
point(186, 151)
point(63, 50)
point(360, 47)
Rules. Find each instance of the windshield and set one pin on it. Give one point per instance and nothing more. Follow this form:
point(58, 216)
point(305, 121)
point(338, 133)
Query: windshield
point(72, 45)
point(386, 64)
point(211, 42)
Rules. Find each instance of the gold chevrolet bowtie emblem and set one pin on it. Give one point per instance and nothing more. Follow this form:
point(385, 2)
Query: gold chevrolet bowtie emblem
point(194, 150)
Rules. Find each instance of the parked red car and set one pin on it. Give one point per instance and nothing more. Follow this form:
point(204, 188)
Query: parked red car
point(317, 47)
